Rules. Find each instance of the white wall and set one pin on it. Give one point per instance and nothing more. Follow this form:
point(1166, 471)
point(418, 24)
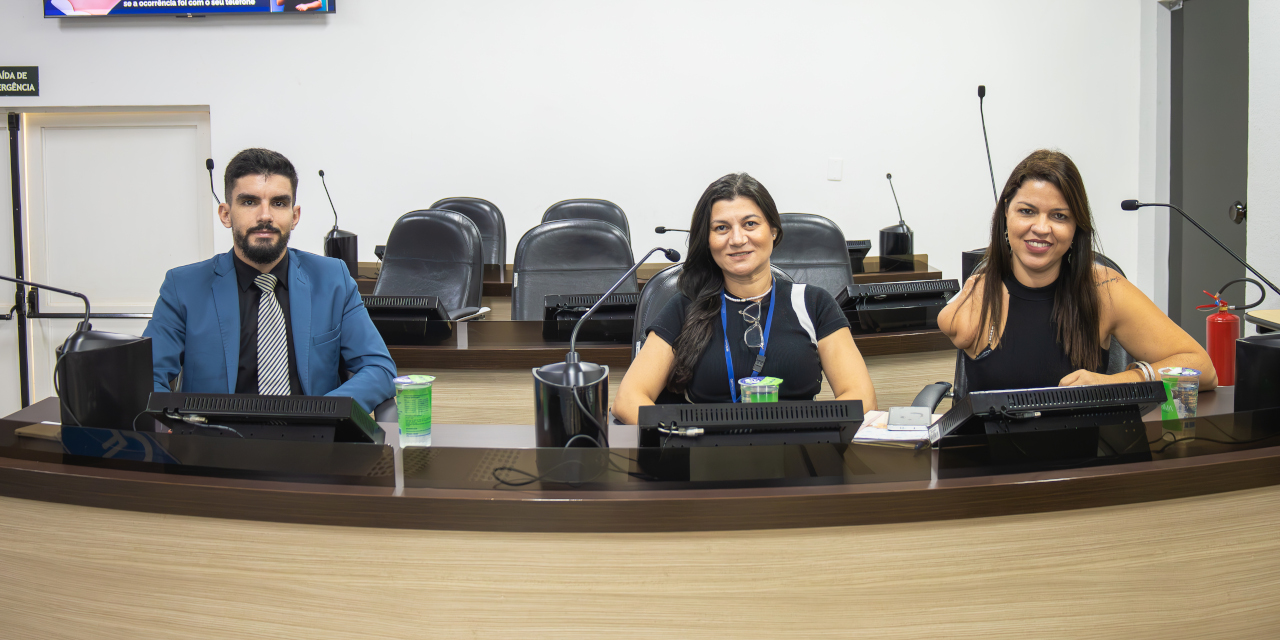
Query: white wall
point(1264, 146)
point(527, 103)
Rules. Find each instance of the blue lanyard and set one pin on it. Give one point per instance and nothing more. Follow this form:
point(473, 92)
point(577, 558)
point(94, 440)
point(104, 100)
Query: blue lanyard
point(764, 344)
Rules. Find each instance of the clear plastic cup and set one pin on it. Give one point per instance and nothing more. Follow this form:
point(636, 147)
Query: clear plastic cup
point(413, 403)
point(1182, 387)
point(759, 389)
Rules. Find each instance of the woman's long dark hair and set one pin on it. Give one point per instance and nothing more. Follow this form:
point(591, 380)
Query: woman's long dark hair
point(701, 280)
point(1076, 310)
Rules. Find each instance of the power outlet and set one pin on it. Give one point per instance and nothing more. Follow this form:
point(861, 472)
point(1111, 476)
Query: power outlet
point(835, 169)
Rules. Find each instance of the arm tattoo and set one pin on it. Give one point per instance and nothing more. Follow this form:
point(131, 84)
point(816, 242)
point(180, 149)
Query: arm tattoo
point(1106, 281)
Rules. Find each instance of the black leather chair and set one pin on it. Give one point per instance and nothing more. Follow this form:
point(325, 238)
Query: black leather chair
point(434, 253)
point(1117, 358)
point(660, 289)
point(813, 251)
point(568, 257)
point(488, 219)
point(590, 209)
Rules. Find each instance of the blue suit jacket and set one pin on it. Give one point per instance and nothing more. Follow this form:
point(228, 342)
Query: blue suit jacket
point(195, 329)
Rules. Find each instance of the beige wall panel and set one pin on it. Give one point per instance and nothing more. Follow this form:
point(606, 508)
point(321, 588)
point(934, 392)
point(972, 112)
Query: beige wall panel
point(1204, 567)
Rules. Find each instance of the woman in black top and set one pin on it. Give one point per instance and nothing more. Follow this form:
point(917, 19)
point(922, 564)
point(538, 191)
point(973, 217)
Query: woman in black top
point(731, 309)
point(1040, 313)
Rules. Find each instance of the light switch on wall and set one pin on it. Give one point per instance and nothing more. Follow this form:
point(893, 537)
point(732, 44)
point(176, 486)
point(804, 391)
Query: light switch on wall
point(835, 167)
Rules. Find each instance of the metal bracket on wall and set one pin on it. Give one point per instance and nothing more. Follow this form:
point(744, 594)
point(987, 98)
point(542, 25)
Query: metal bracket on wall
point(1172, 5)
point(33, 311)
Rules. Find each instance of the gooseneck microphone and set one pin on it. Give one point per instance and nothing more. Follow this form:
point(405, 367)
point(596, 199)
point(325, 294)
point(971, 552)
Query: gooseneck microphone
point(572, 368)
point(1134, 205)
point(338, 243)
point(665, 229)
point(208, 164)
point(84, 324)
point(897, 242)
point(326, 194)
point(982, 93)
point(889, 177)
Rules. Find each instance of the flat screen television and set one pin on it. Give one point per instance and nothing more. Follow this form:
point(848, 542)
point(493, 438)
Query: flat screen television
point(98, 8)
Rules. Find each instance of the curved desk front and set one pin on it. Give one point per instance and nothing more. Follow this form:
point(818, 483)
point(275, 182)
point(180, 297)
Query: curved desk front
point(220, 538)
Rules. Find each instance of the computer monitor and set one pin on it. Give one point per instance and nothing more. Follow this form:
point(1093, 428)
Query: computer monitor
point(1046, 409)
point(750, 424)
point(103, 379)
point(896, 306)
point(295, 418)
point(409, 320)
point(612, 322)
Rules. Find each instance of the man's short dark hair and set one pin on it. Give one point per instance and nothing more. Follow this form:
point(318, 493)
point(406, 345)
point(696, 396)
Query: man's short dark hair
point(258, 162)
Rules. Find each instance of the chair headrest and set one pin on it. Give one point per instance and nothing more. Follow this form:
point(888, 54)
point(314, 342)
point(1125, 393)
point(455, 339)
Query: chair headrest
point(573, 244)
point(433, 235)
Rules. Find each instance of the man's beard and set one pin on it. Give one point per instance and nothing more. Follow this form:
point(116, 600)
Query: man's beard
point(261, 253)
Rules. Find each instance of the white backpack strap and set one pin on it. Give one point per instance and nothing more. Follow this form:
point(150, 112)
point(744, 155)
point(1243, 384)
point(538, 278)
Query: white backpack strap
point(802, 313)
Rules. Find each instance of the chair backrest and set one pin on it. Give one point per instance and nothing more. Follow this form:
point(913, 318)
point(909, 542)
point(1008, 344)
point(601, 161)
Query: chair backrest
point(568, 257)
point(659, 290)
point(1118, 359)
point(590, 209)
point(433, 253)
point(488, 219)
point(813, 251)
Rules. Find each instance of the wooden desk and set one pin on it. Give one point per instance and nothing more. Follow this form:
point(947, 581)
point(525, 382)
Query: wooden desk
point(1181, 546)
point(493, 287)
point(511, 344)
point(1268, 319)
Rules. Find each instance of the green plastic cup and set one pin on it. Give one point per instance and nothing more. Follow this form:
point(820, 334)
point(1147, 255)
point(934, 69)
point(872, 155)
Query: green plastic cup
point(759, 389)
point(1182, 388)
point(413, 403)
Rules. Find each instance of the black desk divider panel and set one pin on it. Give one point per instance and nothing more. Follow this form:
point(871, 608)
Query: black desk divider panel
point(297, 418)
point(858, 250)
point(896, 306)
point(409, 320)
point(765, 423)
point(1046, 409)
point(612, 322)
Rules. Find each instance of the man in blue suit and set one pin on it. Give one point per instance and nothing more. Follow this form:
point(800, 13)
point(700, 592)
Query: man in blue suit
point(264, 318)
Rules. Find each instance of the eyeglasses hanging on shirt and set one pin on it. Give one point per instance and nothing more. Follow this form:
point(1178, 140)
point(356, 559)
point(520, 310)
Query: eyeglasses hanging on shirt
point(763, 342)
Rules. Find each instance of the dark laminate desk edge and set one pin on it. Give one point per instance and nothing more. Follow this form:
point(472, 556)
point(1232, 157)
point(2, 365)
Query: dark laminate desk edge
point(641, 511)
point(518, 357)
point(491, 287)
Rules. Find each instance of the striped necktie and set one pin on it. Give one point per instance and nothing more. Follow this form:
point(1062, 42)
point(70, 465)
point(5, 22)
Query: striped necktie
point(273, 342)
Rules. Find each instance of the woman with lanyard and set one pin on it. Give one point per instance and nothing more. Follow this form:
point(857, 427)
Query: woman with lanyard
point(733, 319)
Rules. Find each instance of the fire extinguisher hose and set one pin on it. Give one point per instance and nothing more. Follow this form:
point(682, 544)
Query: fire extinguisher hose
point(1248, 306)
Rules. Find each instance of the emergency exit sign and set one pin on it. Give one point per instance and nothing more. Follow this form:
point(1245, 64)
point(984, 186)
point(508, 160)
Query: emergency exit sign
point(19, 81)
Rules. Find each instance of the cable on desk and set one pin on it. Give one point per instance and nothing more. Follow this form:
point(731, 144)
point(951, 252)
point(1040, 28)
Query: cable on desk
point(58, 392)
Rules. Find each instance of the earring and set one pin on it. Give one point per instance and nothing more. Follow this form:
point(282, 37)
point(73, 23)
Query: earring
point(1006, 242)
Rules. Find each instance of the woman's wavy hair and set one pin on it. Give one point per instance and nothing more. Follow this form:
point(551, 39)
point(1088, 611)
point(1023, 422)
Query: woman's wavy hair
point(1076, 310)
point(701, 280)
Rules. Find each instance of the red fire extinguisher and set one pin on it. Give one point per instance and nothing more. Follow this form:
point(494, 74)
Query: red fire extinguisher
point(1222, 329)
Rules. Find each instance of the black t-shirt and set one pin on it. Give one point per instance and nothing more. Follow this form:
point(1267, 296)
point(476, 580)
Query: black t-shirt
point(791, 353)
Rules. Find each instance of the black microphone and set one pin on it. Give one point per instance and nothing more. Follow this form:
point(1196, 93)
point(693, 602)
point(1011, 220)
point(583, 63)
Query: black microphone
point(208, 164)
point(84, 324)
point(326, 194)
point(897, 242)
point(889, 177)
point(338, 243)
point(572, 369)
point(665, 229)
point(982, 93)
point(1134, 205)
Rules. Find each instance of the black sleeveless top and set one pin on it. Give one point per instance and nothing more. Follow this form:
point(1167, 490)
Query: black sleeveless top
point(1029, 355)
